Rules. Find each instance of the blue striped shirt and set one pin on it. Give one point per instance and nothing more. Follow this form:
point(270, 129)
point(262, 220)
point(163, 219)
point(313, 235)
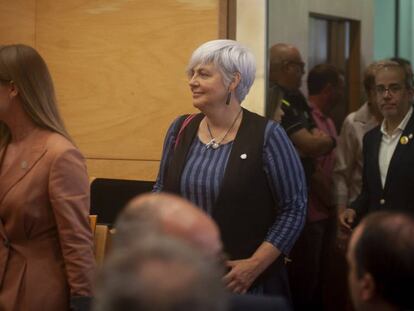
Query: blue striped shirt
point(204, 171)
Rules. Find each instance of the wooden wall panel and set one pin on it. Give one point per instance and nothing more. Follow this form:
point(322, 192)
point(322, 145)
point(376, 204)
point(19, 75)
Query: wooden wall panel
point(119, 70)
point(17, 22)
point(122, 169)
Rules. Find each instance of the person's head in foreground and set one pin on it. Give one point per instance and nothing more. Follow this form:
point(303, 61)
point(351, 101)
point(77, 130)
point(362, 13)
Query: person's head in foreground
point(381, 262)
point(160, 274)
point(169, 215)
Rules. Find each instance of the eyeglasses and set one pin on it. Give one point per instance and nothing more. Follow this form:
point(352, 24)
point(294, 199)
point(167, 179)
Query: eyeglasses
point(297, 63)
point(393, 89)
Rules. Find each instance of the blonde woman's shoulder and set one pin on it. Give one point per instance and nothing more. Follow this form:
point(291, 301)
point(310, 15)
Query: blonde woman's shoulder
point(56, 143)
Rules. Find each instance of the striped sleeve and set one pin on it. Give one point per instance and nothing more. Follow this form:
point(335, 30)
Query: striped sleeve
point(287, 182)
point(167, 151)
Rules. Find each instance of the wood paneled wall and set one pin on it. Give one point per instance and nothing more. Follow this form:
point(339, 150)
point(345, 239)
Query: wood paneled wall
point(17, 21)
point(119, 70)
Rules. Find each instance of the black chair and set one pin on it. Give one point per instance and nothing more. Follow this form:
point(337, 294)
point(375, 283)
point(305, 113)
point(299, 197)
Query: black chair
point(109, 196)
point(258, 303)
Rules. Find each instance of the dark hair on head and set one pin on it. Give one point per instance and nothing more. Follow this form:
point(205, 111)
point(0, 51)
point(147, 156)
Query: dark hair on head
point(160, 273)
point(274, 100)
point(322, 75)
point(385, 250)
point(369, 77)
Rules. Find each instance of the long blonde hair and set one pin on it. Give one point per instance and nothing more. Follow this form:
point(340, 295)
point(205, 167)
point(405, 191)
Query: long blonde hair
point(23, 65)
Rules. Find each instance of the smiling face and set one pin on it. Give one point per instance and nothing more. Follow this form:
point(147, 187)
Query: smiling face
point(207, 86)
point(393, 97)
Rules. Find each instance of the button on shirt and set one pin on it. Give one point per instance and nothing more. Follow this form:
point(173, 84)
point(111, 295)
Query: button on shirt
point(389, 143)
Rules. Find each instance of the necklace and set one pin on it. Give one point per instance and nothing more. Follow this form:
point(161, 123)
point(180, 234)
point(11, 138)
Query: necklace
point(213, 143)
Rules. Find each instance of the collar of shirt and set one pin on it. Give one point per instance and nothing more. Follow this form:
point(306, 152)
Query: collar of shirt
point(323, 122)
point(317, 112)
point(364, 115)
point(400, 128)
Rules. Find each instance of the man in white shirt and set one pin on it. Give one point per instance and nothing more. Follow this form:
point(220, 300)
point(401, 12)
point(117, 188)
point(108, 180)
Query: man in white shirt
point(347, 173)
point(388, 172)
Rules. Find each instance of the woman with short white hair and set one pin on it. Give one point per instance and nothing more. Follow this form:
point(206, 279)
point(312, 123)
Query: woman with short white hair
point(238, 167)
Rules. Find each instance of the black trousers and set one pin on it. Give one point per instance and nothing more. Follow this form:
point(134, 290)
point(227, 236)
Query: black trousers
point(307, 269)
point(273, 282)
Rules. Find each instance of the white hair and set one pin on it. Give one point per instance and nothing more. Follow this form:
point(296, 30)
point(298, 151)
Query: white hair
point(229, 57)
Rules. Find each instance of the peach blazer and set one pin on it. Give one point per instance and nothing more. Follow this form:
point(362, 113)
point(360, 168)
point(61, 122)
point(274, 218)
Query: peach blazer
point(46, 246)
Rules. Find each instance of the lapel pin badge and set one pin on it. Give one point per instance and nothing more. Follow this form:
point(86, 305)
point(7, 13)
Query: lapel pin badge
point(404, 140)
point(243, 156)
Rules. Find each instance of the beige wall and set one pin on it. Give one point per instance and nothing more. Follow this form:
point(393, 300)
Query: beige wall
point(118, 67)
point(262, 23)
point(289, 21)
point(251, 30)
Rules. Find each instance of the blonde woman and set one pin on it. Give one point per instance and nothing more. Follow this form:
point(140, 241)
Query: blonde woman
point(46, 254)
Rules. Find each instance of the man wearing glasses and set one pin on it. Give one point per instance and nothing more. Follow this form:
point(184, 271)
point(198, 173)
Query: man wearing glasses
point(286, 71)
point(388, 150)
point(285, 78)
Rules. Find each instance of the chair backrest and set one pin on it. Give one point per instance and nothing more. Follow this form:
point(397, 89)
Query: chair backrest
point(92, 222)
point(109, 196)
point(102, 238)
point(102, 241)
point(258, 303)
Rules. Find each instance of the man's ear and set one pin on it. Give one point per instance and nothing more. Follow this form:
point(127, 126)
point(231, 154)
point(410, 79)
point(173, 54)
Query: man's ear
point(411, 93)
point(367, 287)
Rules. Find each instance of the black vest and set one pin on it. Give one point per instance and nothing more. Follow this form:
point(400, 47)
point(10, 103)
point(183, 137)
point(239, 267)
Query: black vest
point(245, 208)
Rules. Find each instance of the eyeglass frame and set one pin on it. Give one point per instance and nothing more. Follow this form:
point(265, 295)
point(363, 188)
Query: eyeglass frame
point(392, 89)
point(301, 64)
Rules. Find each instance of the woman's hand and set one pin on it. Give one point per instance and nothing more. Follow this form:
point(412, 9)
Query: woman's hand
point(241, 275)
point(342, 238)
point(347, 218)
point(244, 272)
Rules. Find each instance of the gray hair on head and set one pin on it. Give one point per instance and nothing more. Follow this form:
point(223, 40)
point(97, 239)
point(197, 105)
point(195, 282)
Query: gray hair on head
point(160, 274)
point(229, 57)
point(387, 64)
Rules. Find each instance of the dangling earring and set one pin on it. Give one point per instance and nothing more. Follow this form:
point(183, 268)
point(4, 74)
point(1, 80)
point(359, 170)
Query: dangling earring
point(228, 99)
